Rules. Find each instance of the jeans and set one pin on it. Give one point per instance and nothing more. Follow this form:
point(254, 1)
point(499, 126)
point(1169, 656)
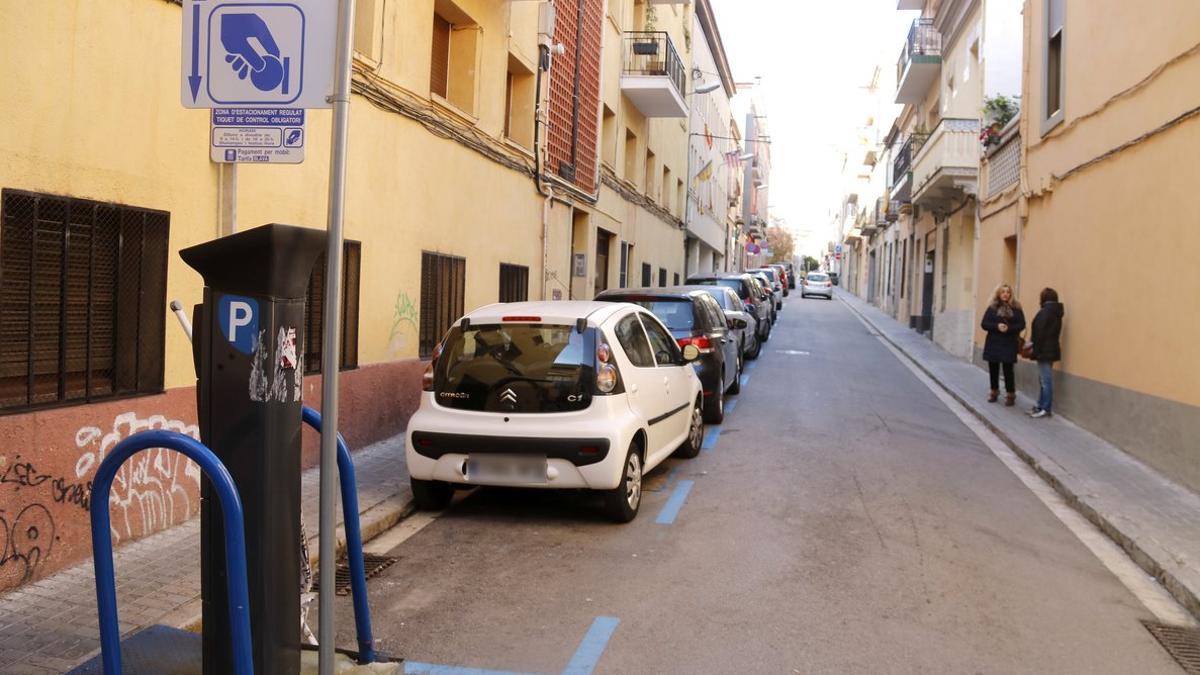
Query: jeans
point(1010, 382)
point(1046, 397)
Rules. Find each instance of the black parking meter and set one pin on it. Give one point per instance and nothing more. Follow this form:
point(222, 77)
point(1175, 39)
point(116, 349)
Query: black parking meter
point(247, 342)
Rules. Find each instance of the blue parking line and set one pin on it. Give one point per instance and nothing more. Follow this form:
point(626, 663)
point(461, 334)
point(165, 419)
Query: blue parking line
point(416, 667)
point(710, 438)
point(671, 509)
point(730, 405)
point(593, 645)
point(745, 379)
point(751, 366)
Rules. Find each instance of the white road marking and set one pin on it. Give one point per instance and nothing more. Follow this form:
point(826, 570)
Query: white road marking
point(1144, 587)
point(400, 533)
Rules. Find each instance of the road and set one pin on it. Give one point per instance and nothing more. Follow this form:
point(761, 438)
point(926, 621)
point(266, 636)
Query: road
point(844, 521)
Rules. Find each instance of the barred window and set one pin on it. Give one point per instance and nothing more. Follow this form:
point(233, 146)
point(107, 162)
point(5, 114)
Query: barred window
point(443, 289)
point(314, 307)
point(646, 273)
point(514, 283)
point(82, 300)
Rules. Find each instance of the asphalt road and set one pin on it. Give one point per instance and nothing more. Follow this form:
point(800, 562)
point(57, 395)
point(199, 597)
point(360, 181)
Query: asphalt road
point(845, 521)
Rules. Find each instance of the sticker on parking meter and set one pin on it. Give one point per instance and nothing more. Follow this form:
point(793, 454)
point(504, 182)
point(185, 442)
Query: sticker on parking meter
point(287, 349)
point(238, 317)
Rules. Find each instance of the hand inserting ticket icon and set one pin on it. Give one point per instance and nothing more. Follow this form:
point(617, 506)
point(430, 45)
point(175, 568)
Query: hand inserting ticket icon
point(252, 51)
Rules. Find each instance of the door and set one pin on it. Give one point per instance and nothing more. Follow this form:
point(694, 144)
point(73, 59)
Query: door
point(927, 292)
point(603, 241)
point(644, 385)
point(676, 402)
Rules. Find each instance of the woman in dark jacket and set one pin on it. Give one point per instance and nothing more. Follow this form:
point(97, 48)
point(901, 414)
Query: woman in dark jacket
point(1046, 328)
point(1003, 322)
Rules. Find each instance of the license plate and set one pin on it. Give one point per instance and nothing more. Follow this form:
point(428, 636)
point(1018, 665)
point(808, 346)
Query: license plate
point(506, 470)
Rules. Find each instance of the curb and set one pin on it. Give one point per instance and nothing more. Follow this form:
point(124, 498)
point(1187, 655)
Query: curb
point(374, 521)
point(1185, 596)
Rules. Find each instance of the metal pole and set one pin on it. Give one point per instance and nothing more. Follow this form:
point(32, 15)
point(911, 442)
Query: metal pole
point(330, 341)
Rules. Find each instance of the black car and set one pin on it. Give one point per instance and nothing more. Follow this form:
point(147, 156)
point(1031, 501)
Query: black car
point(695, 318)
point(750, 293)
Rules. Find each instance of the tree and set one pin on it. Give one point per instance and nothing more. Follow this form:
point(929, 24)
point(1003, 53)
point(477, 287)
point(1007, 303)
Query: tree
point(782, 246)
point(810, 263)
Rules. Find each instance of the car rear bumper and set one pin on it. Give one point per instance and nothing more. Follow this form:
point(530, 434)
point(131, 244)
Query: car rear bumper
point(583, 449)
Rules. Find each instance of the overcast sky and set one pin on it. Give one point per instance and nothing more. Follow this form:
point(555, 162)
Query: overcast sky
point(813, 58)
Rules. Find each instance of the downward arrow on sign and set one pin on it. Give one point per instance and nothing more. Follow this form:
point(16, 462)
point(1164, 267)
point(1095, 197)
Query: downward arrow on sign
point(194, 78)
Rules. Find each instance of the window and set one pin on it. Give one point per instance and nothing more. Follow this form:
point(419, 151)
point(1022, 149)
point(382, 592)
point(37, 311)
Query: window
point(603, 240)
point(314, 307)
point(1055, 16)
point(518, 103)
point(676, 279)
point(666, 350)
point(443, 289)
point(439, 65)
point(647, 273)
point(514, 283)
point(633, 341)
point(631, 157)
point(623, 273)
point(662, 277)
point(680, 196)
point(82, 300)
point(608, 137)
point(668, 186)
point(453, 56)
point(651, 174)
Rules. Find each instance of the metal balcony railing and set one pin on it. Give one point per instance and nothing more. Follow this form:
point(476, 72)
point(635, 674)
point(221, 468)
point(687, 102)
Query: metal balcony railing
point(653, 53)
point(923, 40)
point(904, 156)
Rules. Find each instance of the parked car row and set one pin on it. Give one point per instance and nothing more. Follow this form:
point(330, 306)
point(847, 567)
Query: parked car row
point(590, 395)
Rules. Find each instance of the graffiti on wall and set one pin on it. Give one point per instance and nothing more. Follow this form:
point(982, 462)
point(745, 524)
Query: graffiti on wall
point(24, 543)
point(154, 489)
point(404, 324)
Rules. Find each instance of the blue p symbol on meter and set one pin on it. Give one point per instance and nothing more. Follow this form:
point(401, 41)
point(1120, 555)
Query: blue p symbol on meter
point(238, 317)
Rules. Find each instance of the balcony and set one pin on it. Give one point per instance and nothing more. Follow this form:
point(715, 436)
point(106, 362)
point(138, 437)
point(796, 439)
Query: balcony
point(910, 4)
point(880, 214)
point(920, 61)
point(947, 165)
point(902, 167)
point(653, 76)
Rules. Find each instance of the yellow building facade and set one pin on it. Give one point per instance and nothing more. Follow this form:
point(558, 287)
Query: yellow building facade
point(1108, 129)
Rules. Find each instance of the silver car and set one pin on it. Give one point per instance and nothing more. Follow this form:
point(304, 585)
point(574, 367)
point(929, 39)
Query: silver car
point(743, 324)
point(775, 284)
point(816, 283)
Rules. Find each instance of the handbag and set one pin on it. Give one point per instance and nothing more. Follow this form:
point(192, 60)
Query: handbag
point(1027, 351)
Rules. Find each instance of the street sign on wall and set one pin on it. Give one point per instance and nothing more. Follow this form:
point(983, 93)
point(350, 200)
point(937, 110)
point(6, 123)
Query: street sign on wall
point(258, 135)
point(271, 53)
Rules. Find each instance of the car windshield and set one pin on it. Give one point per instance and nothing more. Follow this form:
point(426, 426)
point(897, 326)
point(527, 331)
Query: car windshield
point(542, 364)
point(822, 278)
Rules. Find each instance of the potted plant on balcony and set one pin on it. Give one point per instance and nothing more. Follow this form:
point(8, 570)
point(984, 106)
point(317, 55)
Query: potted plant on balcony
point(998, 111)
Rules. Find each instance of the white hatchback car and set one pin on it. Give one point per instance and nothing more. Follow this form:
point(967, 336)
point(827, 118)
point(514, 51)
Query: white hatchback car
point(554, 395)
point(816, 283)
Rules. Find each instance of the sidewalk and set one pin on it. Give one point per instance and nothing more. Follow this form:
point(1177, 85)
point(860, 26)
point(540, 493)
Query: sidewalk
point(1154, 520)
point(50, 626)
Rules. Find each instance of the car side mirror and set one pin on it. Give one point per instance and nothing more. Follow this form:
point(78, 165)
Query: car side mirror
point(690, 353)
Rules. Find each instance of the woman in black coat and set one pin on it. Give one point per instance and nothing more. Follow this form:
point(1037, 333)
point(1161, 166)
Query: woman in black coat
point(1046, 328)
point(1003, 322)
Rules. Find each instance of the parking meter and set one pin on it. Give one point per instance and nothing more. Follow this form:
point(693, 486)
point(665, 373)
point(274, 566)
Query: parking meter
point(247, 340)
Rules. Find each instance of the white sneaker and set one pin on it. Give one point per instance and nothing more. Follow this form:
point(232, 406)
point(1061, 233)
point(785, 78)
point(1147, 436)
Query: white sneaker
point(1040, 414)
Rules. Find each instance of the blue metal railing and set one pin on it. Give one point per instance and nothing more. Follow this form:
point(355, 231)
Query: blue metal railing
point(235, 543)
point(354, 553)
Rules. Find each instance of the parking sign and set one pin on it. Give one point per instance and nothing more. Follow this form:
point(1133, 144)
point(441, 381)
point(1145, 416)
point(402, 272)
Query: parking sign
point(266, 53)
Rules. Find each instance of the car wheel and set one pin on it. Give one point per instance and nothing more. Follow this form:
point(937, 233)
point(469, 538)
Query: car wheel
point(695, 438)
point(714, 408)
point(431, 495)
point(736, 387)
point(753, 353)
point(766, 334)
point(622, 502)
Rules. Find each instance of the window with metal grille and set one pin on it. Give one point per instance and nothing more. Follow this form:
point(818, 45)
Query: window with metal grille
point(439, 70)
point(514, 283)
point(314, 307)
point(675, 278)
point(443, 288)
point(623, 273)
point(662, 277)
point(647, 271)
point(83, 289)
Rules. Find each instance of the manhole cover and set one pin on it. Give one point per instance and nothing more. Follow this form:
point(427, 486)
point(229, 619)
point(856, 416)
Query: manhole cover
point(372, 565)
point(1183, 644)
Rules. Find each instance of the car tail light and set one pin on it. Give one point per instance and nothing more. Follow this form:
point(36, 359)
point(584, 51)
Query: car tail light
point(606, 370)
point(522, 319)
point(427, 376)
point(702, 343)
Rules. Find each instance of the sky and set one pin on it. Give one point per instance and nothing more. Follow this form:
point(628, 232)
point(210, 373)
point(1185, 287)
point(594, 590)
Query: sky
point(813, 58)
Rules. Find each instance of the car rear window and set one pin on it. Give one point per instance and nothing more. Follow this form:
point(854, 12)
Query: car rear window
point(676, 314)
point(720, 296)
point(515, 368)
point(770, 274)
point(818, 277)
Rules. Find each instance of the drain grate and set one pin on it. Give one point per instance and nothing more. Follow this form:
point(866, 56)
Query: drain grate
point(372, 565)
point(1183, 644)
